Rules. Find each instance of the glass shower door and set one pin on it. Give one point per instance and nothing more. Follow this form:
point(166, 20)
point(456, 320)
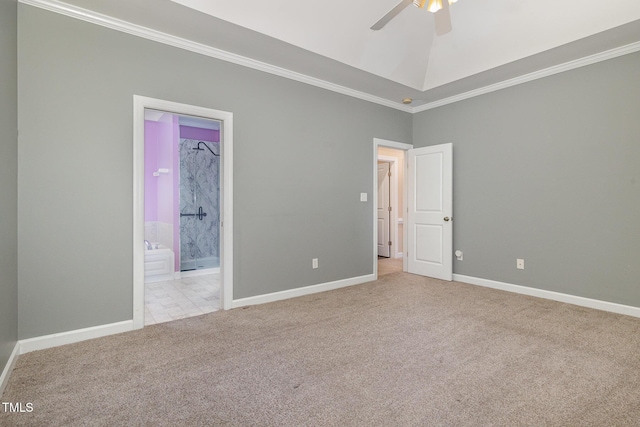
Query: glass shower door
point(199, 205)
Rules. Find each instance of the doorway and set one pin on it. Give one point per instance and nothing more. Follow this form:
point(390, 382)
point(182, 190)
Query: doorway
point(391, 153)
point(384, 209)
point(430, 211)
point(428, 207)
point(202, 161)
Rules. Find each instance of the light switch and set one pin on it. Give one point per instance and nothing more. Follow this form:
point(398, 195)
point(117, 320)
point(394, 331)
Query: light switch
point(363, 197)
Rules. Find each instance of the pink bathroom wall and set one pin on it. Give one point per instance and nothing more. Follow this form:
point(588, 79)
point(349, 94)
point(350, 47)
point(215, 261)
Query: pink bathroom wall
point(165, 162)
point(161, 151)
point(161, 192)
point(151, 135)
point(209, 135)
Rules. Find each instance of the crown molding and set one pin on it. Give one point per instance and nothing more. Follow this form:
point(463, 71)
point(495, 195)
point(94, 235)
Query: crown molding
point(181, 43)
point(556, 69)
point(199, 48)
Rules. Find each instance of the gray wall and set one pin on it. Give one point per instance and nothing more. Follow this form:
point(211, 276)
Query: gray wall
point(549, 171)
point(8, 181)
point(302, 155)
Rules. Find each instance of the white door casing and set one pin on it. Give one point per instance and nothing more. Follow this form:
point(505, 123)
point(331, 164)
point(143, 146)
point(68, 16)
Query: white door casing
point(430, 211)
point(383, 210)
point(378, 142)
point(140, 103)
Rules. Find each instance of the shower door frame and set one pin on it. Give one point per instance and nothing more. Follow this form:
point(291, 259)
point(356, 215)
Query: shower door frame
point(213, 214)
point(140, 103)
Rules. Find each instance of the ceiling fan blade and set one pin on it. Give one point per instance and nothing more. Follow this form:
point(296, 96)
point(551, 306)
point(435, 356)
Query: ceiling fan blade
point(443, 19)
point(391, 14)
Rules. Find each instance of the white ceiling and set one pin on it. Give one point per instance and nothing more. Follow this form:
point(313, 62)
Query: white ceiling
point(485, 35)
point(491, 40)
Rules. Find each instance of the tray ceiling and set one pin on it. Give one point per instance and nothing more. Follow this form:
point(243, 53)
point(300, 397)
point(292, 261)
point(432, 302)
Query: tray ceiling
point(491, 40)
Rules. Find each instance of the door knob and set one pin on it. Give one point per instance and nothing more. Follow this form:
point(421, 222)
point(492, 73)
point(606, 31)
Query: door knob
point(446, 218)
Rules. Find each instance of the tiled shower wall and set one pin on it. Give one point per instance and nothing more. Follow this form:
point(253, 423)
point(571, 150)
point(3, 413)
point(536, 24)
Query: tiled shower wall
point(199, 187)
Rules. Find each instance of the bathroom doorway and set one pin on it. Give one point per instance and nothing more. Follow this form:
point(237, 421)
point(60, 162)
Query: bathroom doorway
point(182, 216)
point(182, 196)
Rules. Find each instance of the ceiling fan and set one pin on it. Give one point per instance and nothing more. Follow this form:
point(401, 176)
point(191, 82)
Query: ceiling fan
point(440, 9)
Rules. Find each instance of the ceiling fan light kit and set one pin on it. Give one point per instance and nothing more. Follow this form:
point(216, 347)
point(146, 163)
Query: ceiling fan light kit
point(433, 6)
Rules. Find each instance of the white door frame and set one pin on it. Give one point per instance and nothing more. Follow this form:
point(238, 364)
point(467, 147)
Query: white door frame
point(393, 202)
point(226, 219)
point(377, 142)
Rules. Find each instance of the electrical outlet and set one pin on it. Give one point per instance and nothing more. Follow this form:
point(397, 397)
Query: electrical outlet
point(314, 263)
point(363, 197)
point(520, 264)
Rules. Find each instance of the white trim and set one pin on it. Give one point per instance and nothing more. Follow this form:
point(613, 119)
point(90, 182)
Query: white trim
point(391, 144)
point(393, 196)
point(226, 220)
point(170, 40)
point(378, 142)
point(6, 372)
point(306, 290)
point(196, 273)
point(401, 223)
point(556, 69)
point(551, 295)
point(226, 204)
point(62, 338)
point(138, 213)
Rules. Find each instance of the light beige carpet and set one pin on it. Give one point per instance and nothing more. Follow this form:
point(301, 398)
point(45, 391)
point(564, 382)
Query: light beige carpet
point(402, 351)
point(389, 265)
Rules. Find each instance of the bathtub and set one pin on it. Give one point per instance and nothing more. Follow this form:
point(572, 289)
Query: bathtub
point(158, 263)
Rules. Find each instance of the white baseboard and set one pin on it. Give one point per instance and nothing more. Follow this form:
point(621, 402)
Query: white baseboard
point(62, 338)
point(196, 273)
point(298, 292)
point(551, 295)
point(6, 372)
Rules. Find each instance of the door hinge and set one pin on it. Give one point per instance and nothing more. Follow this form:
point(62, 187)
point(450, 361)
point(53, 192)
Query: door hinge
point(389, 173)
point(389, 208)
point(389, 242)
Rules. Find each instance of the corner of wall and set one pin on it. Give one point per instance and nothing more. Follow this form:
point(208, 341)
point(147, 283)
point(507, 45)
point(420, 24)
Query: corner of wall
point(8, 185)
point(6, 372)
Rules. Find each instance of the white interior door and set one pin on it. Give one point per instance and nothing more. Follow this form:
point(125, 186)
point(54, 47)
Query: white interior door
point(383, 210)
point(429, 211)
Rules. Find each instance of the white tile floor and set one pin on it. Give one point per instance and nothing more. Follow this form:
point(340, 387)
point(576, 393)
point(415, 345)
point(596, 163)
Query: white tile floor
point(179, 299)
